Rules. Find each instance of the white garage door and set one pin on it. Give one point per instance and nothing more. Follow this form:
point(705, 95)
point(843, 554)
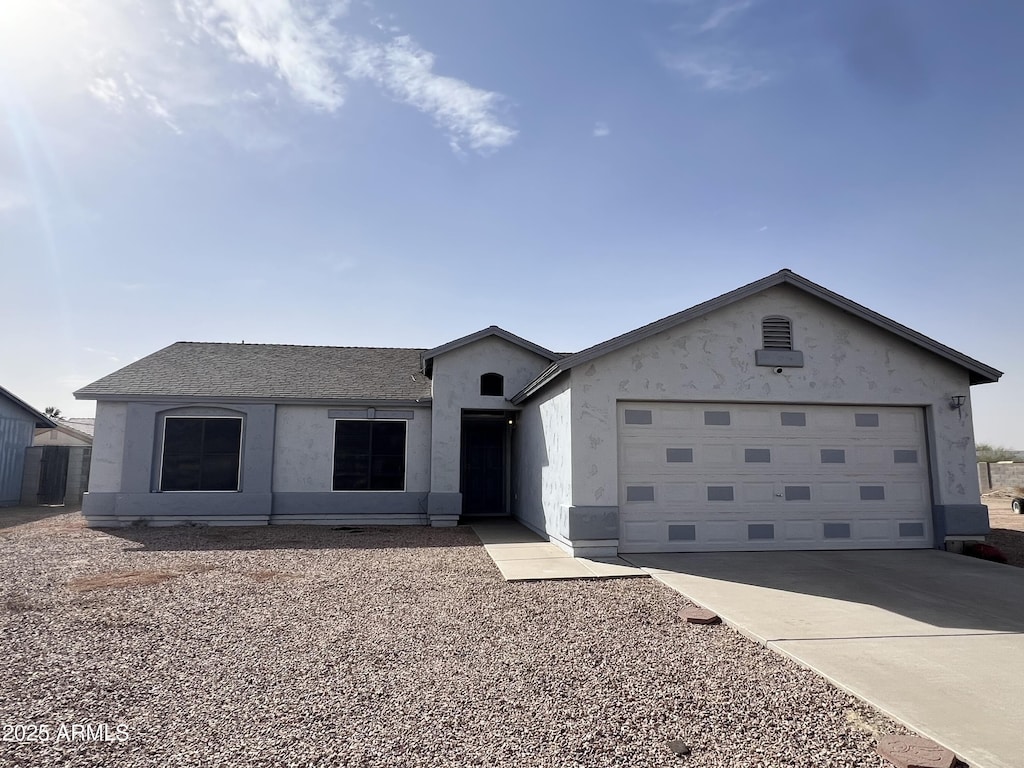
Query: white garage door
point(699, 477)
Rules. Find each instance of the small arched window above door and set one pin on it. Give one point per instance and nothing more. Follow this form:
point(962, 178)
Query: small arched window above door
point(492, 385)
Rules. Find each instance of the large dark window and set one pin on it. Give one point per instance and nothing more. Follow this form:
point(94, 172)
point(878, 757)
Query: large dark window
point(201, 454)
point(369, 456)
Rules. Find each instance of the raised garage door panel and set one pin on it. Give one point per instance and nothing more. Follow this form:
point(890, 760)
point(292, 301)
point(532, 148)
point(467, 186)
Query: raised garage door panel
point(713, 476)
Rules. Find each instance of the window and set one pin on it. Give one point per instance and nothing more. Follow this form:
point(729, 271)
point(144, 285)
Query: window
point(492, 385)
point(776, 332)
point(201, 454)
point(369, 455)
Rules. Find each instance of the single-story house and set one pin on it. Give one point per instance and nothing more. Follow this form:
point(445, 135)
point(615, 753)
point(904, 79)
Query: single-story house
point(780, 415)
point(67, 432)
point(18, 422)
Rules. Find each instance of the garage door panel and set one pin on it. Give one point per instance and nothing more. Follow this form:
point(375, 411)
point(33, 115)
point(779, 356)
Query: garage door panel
point(680, 492)
point(802, 531)
point(735, 476)
point(758, 492)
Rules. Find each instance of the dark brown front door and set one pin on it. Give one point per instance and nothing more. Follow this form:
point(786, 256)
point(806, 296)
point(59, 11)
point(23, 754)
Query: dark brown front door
point(484, 441)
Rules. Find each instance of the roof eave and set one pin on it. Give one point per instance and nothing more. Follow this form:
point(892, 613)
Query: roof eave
point(42, 420)
point(427, 356)
point(237, 399)
point(980, 373)
point(546, 376)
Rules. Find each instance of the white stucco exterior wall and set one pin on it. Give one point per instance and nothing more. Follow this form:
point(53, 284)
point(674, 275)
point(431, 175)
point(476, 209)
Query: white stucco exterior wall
point(456, 387)
point(846, 361)
point(304, 449)
point(108, 447)
point(543, 456)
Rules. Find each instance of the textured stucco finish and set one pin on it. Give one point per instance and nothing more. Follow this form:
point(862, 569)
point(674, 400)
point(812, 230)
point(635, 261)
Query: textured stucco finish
point(846, 360)
point(108, 447)
point(125, 480)
point(304, 453)
point(456, 382)
point(542, 446)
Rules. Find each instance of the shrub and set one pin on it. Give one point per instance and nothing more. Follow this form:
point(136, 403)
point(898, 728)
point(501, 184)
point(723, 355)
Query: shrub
point(989, 452)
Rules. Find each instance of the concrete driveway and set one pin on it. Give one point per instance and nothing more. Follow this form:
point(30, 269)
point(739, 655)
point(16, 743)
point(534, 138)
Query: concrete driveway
point(935, 640)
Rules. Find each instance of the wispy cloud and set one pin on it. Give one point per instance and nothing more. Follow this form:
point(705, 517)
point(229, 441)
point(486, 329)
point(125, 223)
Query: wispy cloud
point(296, 41)
point(723, 14)
point(709, 54)
point(601, 130)
point(234, 64)
point(111, 356)
point(716, 71)
point(403, 68)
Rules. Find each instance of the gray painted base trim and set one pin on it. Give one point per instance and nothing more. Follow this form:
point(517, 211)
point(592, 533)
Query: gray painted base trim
point(578, 547)
point(593, 523)
point(959, 520)
point(354, 520)
point(334, 505)
point(444, 509)
point(176, 508)
point(120, 509)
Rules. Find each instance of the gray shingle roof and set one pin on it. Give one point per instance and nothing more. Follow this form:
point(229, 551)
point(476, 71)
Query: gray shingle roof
point(268, 372)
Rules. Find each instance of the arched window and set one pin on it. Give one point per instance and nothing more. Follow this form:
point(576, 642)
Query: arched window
point(492, 385)
point(776, 332)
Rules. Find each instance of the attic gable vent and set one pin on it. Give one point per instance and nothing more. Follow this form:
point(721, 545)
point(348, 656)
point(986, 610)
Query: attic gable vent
point(777, 344)
point(776, 332)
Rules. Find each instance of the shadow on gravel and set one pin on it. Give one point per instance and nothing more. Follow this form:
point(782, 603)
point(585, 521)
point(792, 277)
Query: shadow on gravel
point(1010, 543)
point(12, 516)
point(241, 538)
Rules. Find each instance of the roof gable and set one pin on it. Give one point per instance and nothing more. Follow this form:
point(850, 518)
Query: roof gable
point(979, 372)
point(42, 420)
point(427, 357)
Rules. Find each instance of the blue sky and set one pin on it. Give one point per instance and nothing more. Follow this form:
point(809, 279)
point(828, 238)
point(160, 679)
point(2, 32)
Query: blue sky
point(403, 173)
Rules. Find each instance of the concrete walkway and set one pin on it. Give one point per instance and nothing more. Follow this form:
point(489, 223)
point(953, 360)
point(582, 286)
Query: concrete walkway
point(933, 639)
point(522, 555)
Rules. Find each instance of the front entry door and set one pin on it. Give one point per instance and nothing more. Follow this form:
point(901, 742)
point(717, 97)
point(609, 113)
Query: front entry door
point(484, 473)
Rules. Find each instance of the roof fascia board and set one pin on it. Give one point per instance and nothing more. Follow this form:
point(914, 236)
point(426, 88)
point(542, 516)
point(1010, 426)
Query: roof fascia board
point(548, 375)
point(45, 420)
point(980, 373)
point(70, 432)
point(984, 374)
point(428, 355)
point(210, 399)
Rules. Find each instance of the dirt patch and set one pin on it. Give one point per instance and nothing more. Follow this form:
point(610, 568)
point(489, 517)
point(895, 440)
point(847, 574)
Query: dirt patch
point(271, 575)
point(121, 580)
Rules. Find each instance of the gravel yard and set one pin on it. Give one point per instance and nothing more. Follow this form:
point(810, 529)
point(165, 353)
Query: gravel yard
point(303, 646)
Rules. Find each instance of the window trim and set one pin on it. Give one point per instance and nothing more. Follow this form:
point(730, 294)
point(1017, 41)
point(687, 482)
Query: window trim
point(491, 377)
point(405, 457)
point(163, 451)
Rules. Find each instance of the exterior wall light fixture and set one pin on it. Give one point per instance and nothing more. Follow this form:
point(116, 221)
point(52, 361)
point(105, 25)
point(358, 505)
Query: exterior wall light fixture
point(956, 402)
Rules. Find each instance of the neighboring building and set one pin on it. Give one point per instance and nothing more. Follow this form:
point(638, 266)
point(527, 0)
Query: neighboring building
point(778, 416)
point(67, 432)
point(18, 422)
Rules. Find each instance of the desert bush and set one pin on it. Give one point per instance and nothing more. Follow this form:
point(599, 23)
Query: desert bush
point(989, 452)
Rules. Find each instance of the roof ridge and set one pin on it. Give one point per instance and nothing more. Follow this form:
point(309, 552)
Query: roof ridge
point(299, 346)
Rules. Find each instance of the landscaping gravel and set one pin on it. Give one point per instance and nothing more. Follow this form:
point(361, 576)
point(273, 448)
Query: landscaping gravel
point(309, 646)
